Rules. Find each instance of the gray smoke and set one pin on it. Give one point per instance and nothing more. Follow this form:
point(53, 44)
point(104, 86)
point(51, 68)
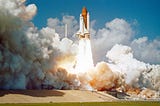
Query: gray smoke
point(28, 56)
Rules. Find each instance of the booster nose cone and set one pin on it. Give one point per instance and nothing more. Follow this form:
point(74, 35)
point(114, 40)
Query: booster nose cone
point(84, 14)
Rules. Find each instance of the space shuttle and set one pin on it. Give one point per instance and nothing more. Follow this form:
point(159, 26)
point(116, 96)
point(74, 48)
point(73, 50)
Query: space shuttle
point(83, 32)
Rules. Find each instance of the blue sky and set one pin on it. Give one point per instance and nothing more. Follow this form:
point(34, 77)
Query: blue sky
point(145, 12)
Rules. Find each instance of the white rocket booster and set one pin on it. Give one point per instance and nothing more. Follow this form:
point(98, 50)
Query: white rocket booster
point(84, 25)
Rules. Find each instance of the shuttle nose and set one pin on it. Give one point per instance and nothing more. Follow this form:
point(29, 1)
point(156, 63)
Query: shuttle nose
point(84, 11)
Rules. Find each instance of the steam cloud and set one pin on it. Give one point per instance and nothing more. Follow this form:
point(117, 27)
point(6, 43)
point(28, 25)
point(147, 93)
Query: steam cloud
point(36, 59)
point(29, 57)
point(137, 73)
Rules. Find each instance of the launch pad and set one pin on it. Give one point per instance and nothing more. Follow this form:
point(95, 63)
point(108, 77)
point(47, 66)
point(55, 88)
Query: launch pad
point(65, 98)
point(53, 96)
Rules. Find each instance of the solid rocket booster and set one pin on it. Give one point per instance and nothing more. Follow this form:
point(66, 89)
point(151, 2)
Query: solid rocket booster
point(83, 32)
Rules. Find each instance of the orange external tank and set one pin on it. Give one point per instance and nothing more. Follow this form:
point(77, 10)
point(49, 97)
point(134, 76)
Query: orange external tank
point(84, 14)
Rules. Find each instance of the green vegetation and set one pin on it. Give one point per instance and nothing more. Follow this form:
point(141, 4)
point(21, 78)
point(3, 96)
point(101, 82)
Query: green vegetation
point(121, 103)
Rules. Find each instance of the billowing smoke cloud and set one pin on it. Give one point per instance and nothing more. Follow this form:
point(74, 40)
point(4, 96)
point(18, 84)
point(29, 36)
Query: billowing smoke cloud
point(122, 56)
point(116, 31)
point(28, 57)
point(105, 78)
point(136, 73)
point(17, 8)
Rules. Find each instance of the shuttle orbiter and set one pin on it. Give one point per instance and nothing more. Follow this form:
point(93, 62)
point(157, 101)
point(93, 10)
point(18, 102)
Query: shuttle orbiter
point(84, 25)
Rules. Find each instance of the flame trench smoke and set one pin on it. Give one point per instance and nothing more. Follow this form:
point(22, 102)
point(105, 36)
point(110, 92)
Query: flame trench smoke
point(40, 59)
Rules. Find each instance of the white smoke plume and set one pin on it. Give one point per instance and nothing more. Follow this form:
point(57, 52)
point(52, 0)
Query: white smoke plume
point(122, 56)
point(136, 73)
point(18, 8)
point(116, 31)
point(119, 31)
